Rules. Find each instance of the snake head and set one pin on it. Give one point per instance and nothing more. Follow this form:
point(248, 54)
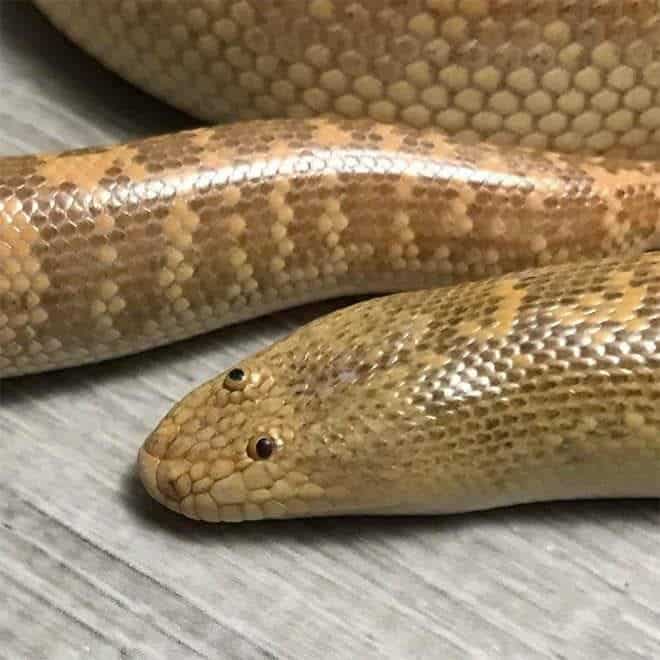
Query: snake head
point(231, 450)
point(310, 426)
point(214, 456)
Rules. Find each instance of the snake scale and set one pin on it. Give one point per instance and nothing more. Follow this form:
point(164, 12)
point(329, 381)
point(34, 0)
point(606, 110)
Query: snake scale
point(396, 145)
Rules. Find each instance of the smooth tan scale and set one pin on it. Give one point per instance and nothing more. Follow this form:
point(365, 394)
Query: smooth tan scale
point(113, 251)
point(532, 386)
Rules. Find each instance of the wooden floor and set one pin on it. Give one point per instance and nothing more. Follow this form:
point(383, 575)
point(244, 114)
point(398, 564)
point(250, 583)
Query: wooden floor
point(90, 567)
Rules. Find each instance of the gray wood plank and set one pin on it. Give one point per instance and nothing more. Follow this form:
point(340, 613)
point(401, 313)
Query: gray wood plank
point(90, 567)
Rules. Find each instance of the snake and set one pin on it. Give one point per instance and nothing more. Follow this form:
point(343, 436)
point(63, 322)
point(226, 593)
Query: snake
point(486, 168)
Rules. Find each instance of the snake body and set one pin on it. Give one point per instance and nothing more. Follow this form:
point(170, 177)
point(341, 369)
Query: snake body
point(516, 387)
point(530, 386)
point(110, 251)
point(568, 75)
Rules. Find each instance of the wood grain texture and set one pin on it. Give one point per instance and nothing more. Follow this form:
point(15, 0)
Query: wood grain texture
point(91, 567)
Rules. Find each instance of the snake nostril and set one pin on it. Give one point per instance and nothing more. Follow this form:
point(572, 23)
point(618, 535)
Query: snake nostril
point(160, 440)
point(167, 476)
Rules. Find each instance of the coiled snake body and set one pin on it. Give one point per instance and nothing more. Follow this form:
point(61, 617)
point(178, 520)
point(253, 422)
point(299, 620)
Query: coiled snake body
point(522, 386)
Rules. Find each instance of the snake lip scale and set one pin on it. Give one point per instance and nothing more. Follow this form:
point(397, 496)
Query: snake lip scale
point(494, 162)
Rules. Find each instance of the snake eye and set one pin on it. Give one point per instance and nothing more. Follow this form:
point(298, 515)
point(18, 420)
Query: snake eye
point(236, 379)
point(261, 448)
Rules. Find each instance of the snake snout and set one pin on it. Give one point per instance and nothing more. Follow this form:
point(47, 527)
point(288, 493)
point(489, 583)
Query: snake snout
point(170, 482)
point(166, 480)
point(160, 442)
point(189, 477)
point(164, 473)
